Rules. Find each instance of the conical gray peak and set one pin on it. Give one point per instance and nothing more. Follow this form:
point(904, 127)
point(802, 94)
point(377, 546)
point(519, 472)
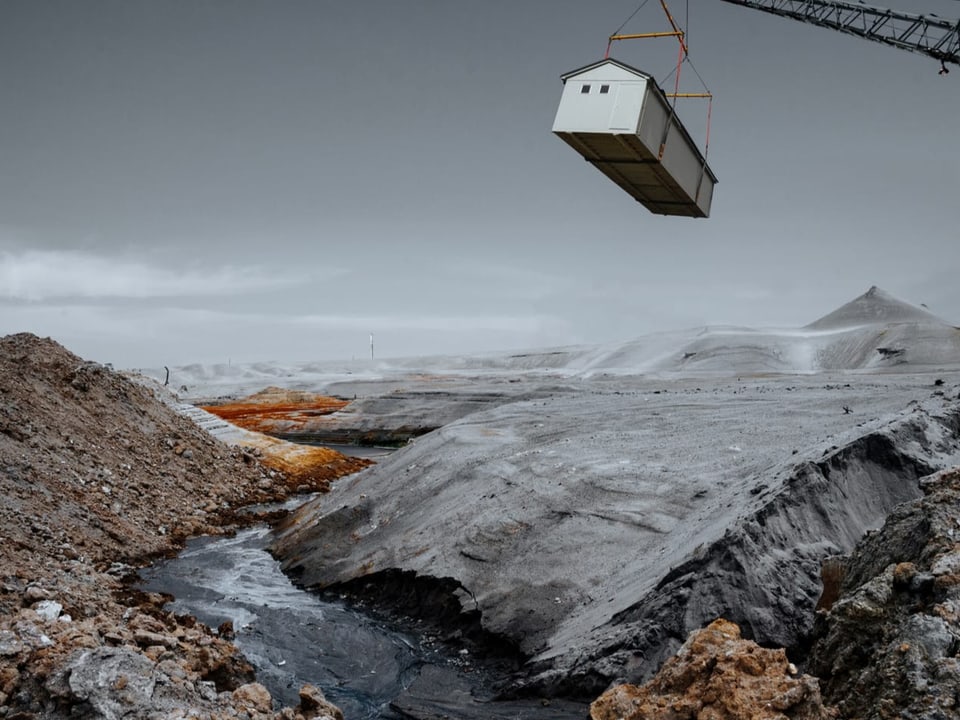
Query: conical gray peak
point(874, 307)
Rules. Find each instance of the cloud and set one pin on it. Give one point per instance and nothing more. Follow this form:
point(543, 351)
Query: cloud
point(37, 275)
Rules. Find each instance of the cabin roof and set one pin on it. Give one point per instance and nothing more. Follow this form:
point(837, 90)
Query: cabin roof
point(605, 61)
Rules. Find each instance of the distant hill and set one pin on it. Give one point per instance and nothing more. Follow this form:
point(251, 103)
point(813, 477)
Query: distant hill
point(873, 332)
point(874, 307)
point(877, 331)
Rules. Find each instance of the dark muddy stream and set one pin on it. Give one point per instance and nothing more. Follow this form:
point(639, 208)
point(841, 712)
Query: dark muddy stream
point(368, 667)
point(291, 637)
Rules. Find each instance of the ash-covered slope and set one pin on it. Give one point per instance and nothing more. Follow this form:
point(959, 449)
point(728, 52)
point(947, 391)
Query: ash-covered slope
point(875, 332)
point(597, 528)
point(874, 307)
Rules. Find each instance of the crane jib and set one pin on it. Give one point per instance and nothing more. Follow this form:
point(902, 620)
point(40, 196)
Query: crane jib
point(925, 34)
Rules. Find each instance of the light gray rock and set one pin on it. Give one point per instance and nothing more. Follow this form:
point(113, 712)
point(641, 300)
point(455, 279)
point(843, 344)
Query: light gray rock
point(207, 690)
point(30, 635)
point(48, 609)
point(115, 682)
point(10, 644)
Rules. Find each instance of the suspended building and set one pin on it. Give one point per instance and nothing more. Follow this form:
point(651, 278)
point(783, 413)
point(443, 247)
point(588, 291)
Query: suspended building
point(621, 122)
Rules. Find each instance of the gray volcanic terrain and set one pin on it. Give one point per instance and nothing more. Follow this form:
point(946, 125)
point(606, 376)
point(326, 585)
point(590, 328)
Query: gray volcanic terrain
point(874, 307)
point(601, 503)
point(874, 333)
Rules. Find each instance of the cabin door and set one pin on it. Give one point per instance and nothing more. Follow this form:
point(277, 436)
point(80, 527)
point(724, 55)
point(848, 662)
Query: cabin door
point(627, 104)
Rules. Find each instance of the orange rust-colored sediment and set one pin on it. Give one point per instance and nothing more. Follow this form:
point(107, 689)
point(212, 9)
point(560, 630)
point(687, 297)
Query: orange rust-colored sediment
point(305, 465)
point(277, 410)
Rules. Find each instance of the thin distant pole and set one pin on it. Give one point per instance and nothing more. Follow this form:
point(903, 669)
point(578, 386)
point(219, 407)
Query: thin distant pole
point(371, 346)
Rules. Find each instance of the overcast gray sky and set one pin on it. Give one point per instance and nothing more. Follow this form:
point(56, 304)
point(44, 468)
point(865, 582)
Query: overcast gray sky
point(204, 180)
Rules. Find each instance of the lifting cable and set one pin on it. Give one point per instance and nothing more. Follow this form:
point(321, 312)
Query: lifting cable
point(682, 57)
point(622, 26)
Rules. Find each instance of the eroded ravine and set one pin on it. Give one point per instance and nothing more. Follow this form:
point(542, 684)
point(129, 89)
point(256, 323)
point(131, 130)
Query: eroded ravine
point(878, 456)
point(367, 666)
point(291, 637)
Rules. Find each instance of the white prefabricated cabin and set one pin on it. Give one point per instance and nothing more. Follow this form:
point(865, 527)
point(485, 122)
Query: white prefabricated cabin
point(620, 120)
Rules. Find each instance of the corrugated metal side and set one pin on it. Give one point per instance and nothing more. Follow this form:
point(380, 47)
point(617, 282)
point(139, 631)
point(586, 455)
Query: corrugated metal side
point(681, 157)
point(626, 161)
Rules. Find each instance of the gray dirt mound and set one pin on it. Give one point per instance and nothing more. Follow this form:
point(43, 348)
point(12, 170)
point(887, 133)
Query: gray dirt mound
point(874, 307)
point(596, 529)
point(895, 347)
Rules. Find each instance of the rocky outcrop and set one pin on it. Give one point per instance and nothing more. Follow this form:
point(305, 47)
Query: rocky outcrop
point(302, 468)
point(140, 663)
point(889, 647)
point(391, 418)
point(314, 705)
point(396, 417)
point(717, 675)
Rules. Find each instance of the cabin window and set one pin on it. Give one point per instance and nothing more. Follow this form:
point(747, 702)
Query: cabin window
point(604, 89)
point(584, 89)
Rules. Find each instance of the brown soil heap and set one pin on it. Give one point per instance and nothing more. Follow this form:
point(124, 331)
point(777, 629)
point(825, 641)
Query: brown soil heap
point(97, 476)
point(717, 676)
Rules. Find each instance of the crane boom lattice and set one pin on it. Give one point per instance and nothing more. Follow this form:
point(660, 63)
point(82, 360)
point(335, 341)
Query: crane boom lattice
point(926, 34)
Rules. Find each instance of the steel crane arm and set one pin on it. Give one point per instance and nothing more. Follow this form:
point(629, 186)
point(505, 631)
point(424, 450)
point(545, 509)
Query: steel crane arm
point(926, 34)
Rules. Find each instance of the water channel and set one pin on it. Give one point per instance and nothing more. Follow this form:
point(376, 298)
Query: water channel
point(366, 666)
point(290, 636)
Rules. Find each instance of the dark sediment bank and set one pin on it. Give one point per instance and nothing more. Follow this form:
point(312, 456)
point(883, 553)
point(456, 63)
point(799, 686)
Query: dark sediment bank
point(364, 438)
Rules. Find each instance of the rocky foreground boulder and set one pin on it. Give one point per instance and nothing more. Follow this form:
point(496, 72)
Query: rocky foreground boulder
point(718, 675)
point(97, 476)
